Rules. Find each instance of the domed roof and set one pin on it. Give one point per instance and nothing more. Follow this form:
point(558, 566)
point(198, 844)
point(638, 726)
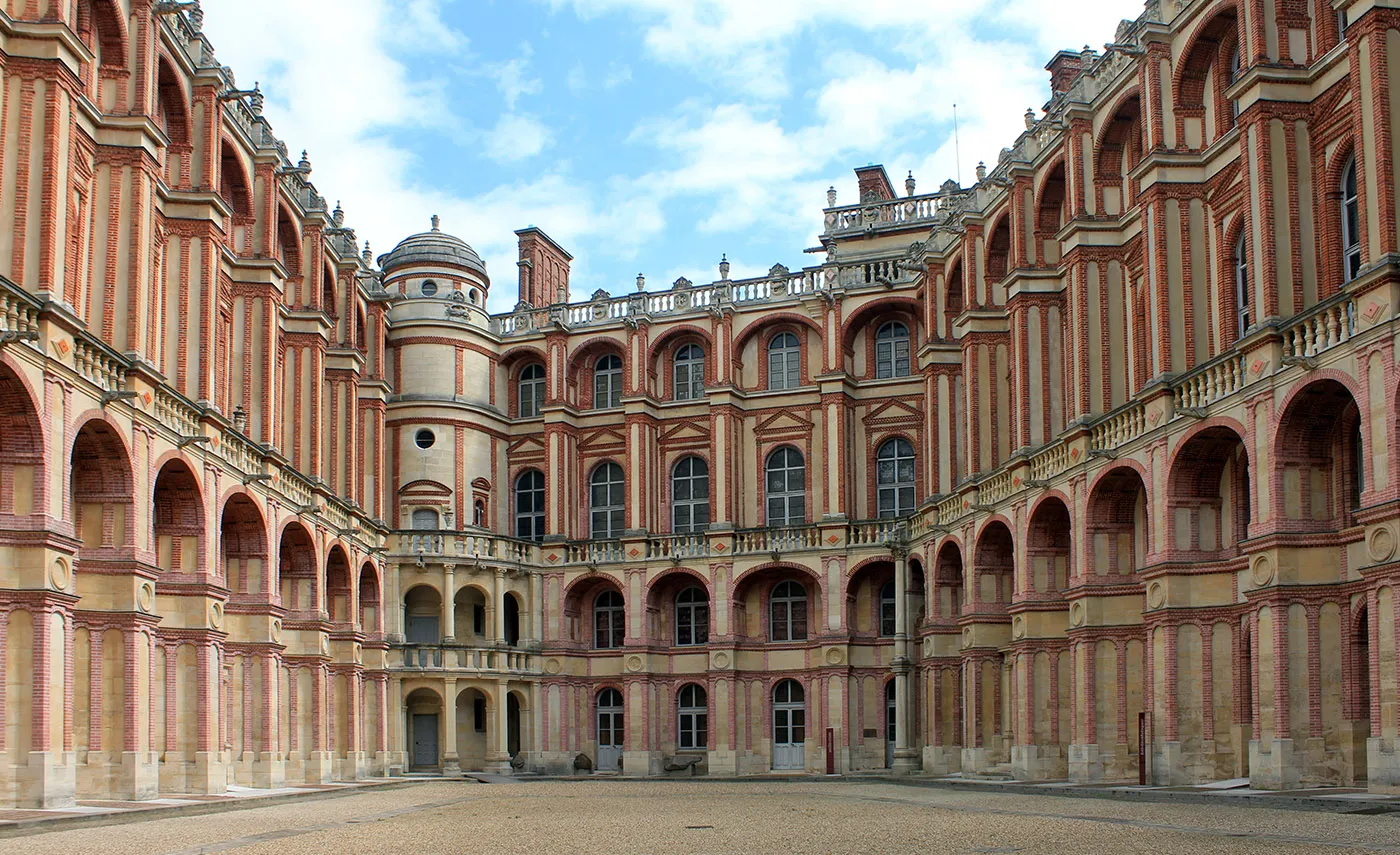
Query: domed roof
point(432, 248)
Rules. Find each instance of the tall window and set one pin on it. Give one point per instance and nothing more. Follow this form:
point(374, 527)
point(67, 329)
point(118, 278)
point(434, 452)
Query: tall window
point(609, 620)
point(606, 502)
point(692, 617)
point(892, 350)
point(694, 715)
point(607, 382)
point(425, 519)
point(784, 362)
point(1242, 286)
point(887, 623)
point(787, 612)
point(1351, 228)
point(529, 505)
point(786, 487)
point(1234, 75)
point(531, 391)
point(690, 496)
point(690, 373)
point(894, 465)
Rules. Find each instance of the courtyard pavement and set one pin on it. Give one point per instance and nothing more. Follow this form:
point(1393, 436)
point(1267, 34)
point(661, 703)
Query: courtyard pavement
point(754, 816)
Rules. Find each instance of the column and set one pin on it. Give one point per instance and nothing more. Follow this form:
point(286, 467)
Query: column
point(498, 598)
point(450, 763)
point(535, 610)
point(903, 755)
point(499, 759)
point(449, 613)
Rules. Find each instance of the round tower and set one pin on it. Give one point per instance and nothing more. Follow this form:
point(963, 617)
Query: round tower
point(440, 419)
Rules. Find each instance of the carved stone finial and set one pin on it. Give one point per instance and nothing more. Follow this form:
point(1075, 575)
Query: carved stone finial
point(724, 267)
point(436, 222)
point(255, 102)
point(981, 171)
point(338, 215)
point(305, 162)
point(367, 255)
point(196, 17)
point(641, 282)
point(909, 184)
point(1030, 118)
point(831, 196)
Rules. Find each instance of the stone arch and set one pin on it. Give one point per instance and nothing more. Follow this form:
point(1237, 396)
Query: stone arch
point(579, 598)
point(235, 186)
point(340, 594)
point(661, 593)
point(579, 370)
point(1049, 566)
point(1208, 492)
point(947, 582)
point(101, 26)
point(177, 518)
point(172, 102)
point(998, 258)
point(1202, 73)
point(751, 598)
point(287, 245)
point(1117, 522)
point(993, 566)
point(1050, 213)
point(865, 583)
point(1319, 455)
point(905, 309)
point(243, 547)
point(23, 487)
point(1119, 149)
point(101, 487)
point(371, 611)
point(296, 571)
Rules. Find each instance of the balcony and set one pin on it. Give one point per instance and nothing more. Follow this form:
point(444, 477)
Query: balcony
point(459, 658)
point(443, 545)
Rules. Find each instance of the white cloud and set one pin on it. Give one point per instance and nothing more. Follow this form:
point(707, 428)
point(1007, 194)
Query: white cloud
point(514, 79)
point(516, 137)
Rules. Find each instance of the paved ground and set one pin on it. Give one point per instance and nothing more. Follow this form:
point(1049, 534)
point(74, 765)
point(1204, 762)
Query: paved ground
point(758, 817)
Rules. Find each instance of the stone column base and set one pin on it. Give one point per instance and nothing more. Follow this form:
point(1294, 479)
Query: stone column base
point(642, 763)
point(942, 759)
point(49, 781)
point(319, 768)
point(721, 762)
point(1274, 765)
point(208, 775)
point(269, 771)
point(354, 767)
point(139, 777)
point(499, 764)
point(451, 766)
point(906, 761)
point(1085, 763)
point(1382, 765)
point(381, 766)
point(978, 760)
point(1038, 763)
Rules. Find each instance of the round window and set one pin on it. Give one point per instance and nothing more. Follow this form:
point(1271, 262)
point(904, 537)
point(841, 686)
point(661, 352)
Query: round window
point(429, 288)
point(424, 438)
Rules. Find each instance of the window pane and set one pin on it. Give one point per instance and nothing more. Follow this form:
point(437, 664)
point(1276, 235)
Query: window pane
point(799, 622)
point(702, 624)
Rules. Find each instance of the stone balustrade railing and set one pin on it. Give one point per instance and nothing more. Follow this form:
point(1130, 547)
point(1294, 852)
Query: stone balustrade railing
point(97, 366)
point(446, 545)
point(1327, 325)
point(1209, 383)
point(911, 209)
point(791, 539)
point(995, 488)
point(593, 552)
point(455, 657)
point(1049, 461)
point(881, 532)
point(297, 489)
point(678, 546)
point(18, 312)
point(1119, 427)
point(948, 510)
point(180, 417)
point(240, 453)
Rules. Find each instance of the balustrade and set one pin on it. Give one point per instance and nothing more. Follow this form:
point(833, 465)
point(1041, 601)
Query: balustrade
point(1049, 462)
point(1326, 326)
point(1123, 426)
point(1216, 379)
point(793, 539)
point(880, 532)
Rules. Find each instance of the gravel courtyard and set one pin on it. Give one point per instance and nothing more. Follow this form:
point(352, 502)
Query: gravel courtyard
point(758, 817)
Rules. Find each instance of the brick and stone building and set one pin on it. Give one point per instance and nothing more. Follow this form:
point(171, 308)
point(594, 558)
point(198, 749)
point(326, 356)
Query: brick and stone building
point(1009, 473)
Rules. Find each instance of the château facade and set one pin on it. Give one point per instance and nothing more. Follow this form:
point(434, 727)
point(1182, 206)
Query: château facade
point(1105, 441)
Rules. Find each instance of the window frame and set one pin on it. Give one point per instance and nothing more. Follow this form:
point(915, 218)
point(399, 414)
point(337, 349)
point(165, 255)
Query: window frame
point(422, 513)
point(900, 493)
point(615, 511)
point(1240, 262)
point(783, 594)
point(1350, 221)
point(614, 615)
point(789, 373)
point(790, 499)
point(534, 384)
point(888, 361)
point(887, 603)
point(697, 612)
point(692, 718)
point(691, 504)
point(536, 514)
point(689, 359)
point(610, 376)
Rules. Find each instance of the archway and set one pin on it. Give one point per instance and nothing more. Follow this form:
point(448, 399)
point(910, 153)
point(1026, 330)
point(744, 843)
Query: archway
point(338, 590)
point(475, 726)
point(422, 607)
point(1319, 463)
point(22, 484)
point(296, 572)
point(243, 542)
point(870, 599)
point(102, 492)
point(993, 567)
point(178, 519)
point(948, 582)
point(1116, 524)
point(423, 711)
point(470, 621)
point(370, 613)
point(1208, 495)
point(1048, 572)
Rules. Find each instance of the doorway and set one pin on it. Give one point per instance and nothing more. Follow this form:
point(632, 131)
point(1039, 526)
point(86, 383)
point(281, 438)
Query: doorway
point(610, 733)
point(789, 725)
point(425, 741)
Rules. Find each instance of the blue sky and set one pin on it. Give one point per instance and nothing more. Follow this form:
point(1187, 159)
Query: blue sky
point(646, 136)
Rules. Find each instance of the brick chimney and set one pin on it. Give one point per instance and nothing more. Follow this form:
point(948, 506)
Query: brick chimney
point(1064, 67)
point(544, 268)
point(874, 185)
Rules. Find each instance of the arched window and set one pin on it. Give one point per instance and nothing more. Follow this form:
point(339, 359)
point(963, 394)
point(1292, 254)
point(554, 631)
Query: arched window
point(607, 382)
point(692, 617)
point(529, 505)
point(425, 519)
point(887, 623)
point(786, 487)
point(894, 465)
point(609, 620)
point(787, 612)
point(531, 391)
point(690, 373)
point(1234, 75)
point(892, 350)
point(1242, 286)
point(1351, 227)
point(690, 496)
point(694, 719)
point(784, 362)
point(606, 502)
point(479, 514)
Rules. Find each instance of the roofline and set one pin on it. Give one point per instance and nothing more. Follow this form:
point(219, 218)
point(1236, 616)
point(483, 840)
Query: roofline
point(534, 230)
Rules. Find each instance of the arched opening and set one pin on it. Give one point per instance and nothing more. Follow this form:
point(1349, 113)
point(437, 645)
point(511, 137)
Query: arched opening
point(370, 611)
point(21, 451)
point(1116, 524)
point(288, 249)
point(1208, 495)
point(789, 725)
point(234, 185)
point(423, 709)
point(513, 729)
point(1203, 111)
point(177, 519)
point(1048, 552)
point(422, 615)
point(338, 590)
point(993, 568)
point(475, 726)
point(296, 570)
point(580, 603)
point(870, 600)
point(511, 623)
point(469, 616)
point(954, 297)
point(678, 611)
point(948, 582)
point(1051, 213)
point(754, 605)
point(243, 542)
point(1120, 150)
point(101, 489)
point(999, 252)
point(172, 113)
point(692, 718)
point(611, 730)
point(330, 303)
point(1319, 458)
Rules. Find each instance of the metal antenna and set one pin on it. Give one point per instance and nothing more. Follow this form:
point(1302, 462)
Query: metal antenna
point(957, 151)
